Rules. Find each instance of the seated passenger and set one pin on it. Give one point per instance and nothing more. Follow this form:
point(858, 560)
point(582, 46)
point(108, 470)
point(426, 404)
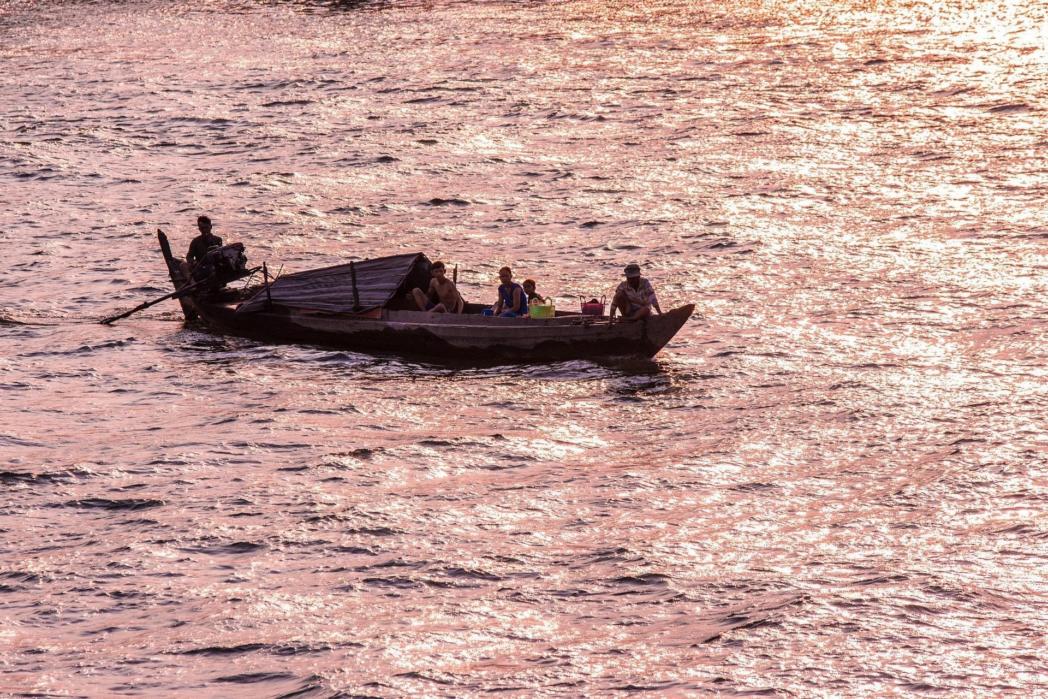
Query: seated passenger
point(513, 302)
point(203, 242)
point(443, 296)
point(635, 297)
point(529, 289)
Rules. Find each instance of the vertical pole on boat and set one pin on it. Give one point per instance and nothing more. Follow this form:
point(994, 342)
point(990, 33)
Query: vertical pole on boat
point(356, 294)
point(265, 277)
point(455, 275)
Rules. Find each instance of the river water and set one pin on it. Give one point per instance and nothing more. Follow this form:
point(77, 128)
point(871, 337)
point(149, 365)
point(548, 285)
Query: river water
point(833, 482)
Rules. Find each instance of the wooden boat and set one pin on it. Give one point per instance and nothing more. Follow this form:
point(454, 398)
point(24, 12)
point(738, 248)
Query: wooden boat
point(366, 306)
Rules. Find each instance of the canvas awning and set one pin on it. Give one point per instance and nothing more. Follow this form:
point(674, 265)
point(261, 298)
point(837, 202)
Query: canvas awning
point(330, 289)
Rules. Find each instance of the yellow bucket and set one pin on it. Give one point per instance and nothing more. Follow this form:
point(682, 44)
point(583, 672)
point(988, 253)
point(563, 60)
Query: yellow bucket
point(542, 311)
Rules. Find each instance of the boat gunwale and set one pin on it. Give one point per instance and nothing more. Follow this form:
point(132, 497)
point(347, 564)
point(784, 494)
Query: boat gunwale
point(449, 320)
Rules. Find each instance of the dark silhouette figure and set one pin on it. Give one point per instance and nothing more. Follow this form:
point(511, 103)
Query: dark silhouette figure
point(203, 242)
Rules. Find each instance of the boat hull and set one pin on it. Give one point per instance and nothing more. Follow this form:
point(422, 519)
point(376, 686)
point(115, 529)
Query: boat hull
point(466, 337)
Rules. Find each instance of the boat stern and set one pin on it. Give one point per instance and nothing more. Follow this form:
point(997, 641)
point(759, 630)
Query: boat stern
point(176, 272)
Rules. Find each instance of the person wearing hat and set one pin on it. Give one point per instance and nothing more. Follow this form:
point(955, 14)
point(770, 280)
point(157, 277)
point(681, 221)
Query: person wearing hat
point(635, 297)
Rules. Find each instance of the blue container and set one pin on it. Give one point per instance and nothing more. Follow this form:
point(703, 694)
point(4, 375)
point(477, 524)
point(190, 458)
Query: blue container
point(487, 312)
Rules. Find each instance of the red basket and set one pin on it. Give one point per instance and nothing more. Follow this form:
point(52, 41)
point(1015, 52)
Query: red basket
point(593, 307)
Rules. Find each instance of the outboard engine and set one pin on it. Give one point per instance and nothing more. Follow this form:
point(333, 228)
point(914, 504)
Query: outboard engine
point(221, 265)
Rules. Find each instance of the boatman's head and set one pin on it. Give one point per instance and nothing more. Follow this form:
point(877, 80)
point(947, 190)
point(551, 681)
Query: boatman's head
point(204, 224)
point(632, 271)
point(437, 269)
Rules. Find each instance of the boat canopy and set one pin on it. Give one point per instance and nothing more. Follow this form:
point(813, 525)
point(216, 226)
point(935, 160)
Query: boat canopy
point(330, 289)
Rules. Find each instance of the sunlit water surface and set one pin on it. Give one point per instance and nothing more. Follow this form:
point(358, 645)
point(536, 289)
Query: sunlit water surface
point(833, 482)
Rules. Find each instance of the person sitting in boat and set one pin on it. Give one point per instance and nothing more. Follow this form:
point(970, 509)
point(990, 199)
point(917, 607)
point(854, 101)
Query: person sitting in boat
point(635, 297)
point(513, 302)
point(529, 289)
point(203, 242)
point(443, 296)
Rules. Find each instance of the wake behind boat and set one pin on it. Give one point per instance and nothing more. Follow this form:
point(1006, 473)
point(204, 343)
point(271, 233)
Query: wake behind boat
point(367, 306)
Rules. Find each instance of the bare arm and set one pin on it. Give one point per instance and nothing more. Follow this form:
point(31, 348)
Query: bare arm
point(459, 306)
point(614, 305)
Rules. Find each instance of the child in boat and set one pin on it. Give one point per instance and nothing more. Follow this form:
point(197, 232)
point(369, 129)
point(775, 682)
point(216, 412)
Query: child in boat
point(443, 296)
point(635, 297)
point(513, 301)
point(529, 289)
